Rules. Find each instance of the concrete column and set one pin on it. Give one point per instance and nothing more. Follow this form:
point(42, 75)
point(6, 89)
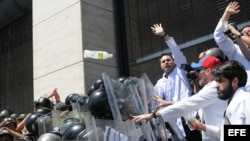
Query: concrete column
point(62, 29)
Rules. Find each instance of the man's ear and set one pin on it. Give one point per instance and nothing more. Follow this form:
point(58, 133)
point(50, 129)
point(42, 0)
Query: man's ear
point(235, 82)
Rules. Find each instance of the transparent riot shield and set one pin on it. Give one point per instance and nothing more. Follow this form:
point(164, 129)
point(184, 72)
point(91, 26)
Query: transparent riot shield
point(77, 111)
point(56, 120)
point(58, 116)
point(124, 103)
point(146, 129)
point(177, 133)
point(109, 86)
point(147, 91)
point(44, 123)
point(115, 128)
point(92, 131)
point(110, 130)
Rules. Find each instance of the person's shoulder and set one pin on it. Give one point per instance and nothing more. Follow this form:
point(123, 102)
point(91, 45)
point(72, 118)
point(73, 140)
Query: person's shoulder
point(209, 88)
point(242, 94)
point(180, 70)
point(246, 92)
point(159, 82)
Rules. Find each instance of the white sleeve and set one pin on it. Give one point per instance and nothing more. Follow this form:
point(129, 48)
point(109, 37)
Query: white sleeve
point(202, 99)
point(213, 131)
point(224, 42)
point(178, 56)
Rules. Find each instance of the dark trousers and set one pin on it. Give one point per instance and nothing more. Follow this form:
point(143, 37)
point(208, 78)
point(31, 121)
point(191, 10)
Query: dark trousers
point(191, 135)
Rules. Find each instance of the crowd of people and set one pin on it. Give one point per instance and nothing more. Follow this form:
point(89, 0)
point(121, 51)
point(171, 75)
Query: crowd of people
point(217, 94)
point(224, 94)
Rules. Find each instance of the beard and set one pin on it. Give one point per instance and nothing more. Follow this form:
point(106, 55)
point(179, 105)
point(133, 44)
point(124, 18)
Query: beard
point(227, 93)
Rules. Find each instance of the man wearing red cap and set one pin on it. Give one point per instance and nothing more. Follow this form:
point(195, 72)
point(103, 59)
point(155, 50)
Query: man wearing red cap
point(206, 99)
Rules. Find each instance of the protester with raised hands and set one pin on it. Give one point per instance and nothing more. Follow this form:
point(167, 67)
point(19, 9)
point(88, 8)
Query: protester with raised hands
point(206, 99)
point(237, 50)
point(174, 84)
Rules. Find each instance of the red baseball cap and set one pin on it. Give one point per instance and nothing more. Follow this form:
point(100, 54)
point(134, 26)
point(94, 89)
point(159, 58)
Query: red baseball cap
point(206, 62)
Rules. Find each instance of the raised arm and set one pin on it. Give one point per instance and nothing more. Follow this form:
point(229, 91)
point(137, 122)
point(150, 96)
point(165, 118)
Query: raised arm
point(231, 9)
point(242, 41)
point(178, 56)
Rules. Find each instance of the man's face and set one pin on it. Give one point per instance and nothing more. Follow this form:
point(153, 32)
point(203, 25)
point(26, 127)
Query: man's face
point(167, 64)
point(224, 88)
point(202, 76)
point(246, 31)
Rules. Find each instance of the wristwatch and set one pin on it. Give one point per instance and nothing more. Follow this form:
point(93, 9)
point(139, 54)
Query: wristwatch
point(154, 114)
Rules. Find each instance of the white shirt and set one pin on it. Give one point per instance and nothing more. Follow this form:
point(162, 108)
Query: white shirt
point(231, 50)
point(212, 107)
point(238, 110)
point(175, 86)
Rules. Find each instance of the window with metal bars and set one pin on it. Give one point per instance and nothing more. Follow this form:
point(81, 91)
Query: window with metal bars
point(186, 20)
point(16, 34)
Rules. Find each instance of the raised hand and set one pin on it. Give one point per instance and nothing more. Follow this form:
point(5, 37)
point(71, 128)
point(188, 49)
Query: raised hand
point(233, 8)
point(158, 30)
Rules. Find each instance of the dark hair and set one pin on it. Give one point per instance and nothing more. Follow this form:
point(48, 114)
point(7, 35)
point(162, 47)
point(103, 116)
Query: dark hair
point(244, 27)
point(166, 54)
point(231, 69)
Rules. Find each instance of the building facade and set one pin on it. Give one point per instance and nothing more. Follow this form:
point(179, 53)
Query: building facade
point(42, 41)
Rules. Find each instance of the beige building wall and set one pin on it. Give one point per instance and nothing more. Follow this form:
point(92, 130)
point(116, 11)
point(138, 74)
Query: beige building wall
point(62, 29)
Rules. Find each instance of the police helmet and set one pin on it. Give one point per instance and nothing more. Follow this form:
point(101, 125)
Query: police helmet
point(62, 106)
point(14, 115)
point(32, 124)
point(56, 130)
point(4, 132)
point(67, 122)
point(43, 111)
point(83, 102)
point(72, 132)
point(6, 113)
point(9, 120)
point(91, 90)
point(122, 79)
point(69, 98)
point(131, 81)
point(44, 102)
point(99, 83)
point(21, 116)
point(216, 52)
point(98, 104)
point(75, 97)
point(49, 137)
